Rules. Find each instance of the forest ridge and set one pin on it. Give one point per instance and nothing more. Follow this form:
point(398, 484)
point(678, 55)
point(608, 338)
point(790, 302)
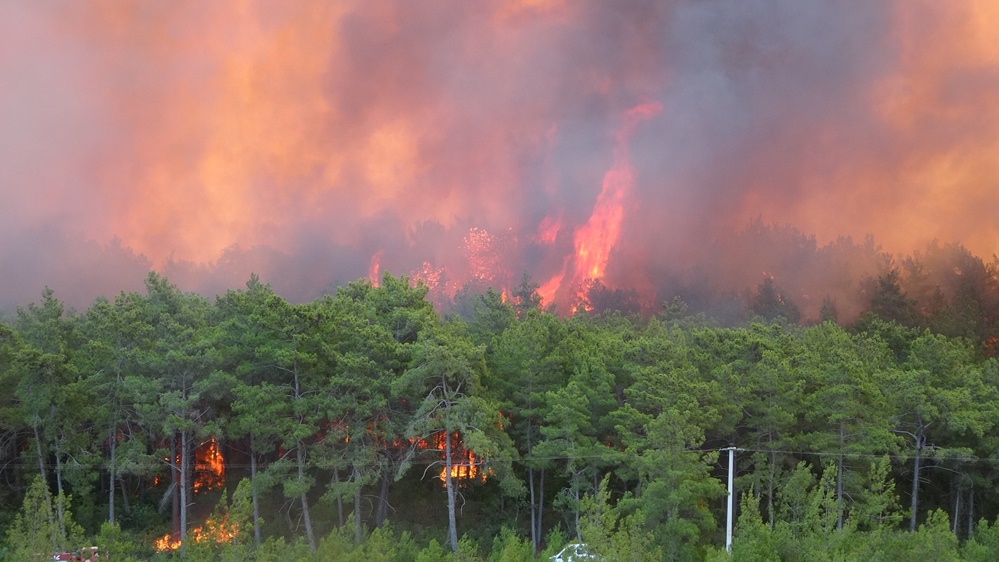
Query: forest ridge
point(353, 422)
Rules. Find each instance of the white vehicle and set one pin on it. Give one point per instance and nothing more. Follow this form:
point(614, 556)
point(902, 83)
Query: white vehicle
point(574, 552)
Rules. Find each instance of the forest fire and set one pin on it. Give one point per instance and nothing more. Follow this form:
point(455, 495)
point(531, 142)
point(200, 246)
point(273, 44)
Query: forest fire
point(596, 240)
point(257, 165)
point(219, 531)
point(166, 542)
point(209, 467)
point(482, 250)
point(465, 465)
point(375, 268)
point(640, 163)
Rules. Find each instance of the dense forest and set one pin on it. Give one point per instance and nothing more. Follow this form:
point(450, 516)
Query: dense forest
point(367, 425)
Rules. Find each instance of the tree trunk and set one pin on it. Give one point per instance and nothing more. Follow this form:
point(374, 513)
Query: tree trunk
point(541, 503)
point(175, 480)
point(452, 527)
point(957, 511)
point(383, 503)
point(183, 488)
point(124, 495)
point(579, 536)
point(771, 484)
point(839, 494)
point(189, 468)
point(253, 493)
point(357, 507)
point(41, 469)
point(60, 497)
point(38, 452)
point(339, 498)
point(300, 454)
point(535, 539)
point(534, 528)
point(971, 512)
point(915, 483)
point(112, 478)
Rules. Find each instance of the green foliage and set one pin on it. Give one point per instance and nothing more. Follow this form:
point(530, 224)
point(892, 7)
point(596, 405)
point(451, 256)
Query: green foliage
point(984, 545)
point(771, 303)
point(34, 535)
point(433, 552)
point(753, 540)
point(878, 510)
point(329, 413)
point(117, 544)
point(612, 535)
point(508, 546)
point(934, 539)
point(44, 525)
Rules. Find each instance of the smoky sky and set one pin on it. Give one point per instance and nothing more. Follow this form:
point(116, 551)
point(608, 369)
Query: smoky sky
point(314, 142)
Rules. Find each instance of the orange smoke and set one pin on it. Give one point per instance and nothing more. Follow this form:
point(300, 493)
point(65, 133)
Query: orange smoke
point(300, 141)
point(254, 122)
point(921, 165)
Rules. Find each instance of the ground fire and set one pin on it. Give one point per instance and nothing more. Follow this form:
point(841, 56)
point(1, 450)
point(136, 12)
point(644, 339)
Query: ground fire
point(217, 531)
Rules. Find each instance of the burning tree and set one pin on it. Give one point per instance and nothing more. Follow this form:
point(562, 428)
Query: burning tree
point(446, 372)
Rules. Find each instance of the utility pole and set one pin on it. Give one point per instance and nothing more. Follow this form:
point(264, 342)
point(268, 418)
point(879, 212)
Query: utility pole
point(731, 498)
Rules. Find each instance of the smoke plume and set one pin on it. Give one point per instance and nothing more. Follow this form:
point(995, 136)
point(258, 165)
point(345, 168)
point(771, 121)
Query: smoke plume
point(314, 142)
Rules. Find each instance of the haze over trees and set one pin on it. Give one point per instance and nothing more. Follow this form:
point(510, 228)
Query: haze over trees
point(367, 424)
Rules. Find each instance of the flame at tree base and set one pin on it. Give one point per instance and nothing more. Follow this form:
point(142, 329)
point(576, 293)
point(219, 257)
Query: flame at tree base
point(465, 466)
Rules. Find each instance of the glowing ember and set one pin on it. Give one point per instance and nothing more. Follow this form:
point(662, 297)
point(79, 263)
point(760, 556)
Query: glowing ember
point(482, 257)
point(430, 276)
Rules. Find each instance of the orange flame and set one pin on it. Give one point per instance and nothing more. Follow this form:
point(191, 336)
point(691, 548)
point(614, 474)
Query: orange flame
point(430, 276)
point(548, 230)
point(209, 466)
point(597, 238)
point(165, 543)
point(465, 465)
point(482, 256)
point(219, 531)
point(551, 287)
point(374, 269)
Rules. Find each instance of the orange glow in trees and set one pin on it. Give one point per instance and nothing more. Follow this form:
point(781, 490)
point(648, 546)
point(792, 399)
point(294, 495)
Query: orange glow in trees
point(209, 466)
point(465, 466)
